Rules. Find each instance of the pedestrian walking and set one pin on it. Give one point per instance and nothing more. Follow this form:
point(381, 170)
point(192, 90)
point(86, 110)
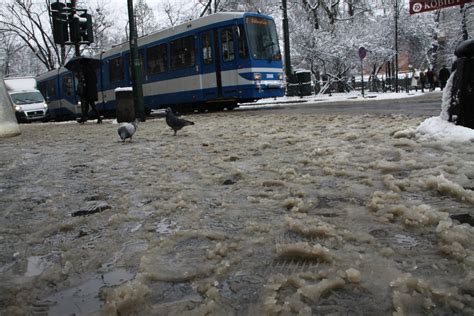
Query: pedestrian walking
point(422, 80)
point(414, 80)
point(430, 77)
point(87, 91)
point(443, 76)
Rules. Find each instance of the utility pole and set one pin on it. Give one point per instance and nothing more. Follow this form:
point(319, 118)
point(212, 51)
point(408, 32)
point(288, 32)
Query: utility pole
point(73, 12)
point(465, 35)
point(286, 39)
point(136, 67)
point(396, 46)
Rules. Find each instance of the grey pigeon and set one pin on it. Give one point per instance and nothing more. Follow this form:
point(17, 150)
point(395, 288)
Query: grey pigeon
point(174, 122)
point(127, 130)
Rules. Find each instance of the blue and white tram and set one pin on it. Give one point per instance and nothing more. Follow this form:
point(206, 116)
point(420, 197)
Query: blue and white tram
point(215, 61)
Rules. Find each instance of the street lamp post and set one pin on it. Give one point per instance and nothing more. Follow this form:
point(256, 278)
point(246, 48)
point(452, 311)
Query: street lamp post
point(396, 45)
point(286, 39)
point(77, 49)
point(136, 67)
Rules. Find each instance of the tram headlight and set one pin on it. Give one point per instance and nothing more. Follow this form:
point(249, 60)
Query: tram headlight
point(280, 76)
point(257, 76)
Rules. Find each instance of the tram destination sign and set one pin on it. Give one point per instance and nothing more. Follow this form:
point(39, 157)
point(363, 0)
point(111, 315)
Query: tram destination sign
point(418, 6)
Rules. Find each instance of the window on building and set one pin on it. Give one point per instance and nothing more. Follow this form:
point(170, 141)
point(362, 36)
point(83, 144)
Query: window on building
point(182, 52)
point(157, 59)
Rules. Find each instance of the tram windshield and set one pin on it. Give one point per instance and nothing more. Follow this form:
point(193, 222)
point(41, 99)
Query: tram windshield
point(263, 39)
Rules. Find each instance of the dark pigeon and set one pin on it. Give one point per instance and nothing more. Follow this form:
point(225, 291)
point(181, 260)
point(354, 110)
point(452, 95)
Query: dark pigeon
point(127, 130)
point(174, 122)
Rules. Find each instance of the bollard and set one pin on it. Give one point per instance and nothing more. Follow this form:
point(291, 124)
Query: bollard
point(8, 124)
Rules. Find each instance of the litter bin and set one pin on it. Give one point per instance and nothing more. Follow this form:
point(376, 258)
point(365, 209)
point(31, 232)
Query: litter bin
point(299, 83)
point(304, 82)
point(125, 105)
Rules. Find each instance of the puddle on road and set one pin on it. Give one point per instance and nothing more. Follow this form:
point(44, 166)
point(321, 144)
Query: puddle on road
point(38, 264)
point(406, 242)
point(84, 299)
point(166, 226)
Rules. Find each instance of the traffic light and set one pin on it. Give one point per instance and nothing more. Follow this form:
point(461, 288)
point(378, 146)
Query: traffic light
point(81, 28)
point(60, 23)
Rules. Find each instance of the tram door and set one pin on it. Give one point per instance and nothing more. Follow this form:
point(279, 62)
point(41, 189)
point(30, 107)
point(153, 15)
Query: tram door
point(229, 61)
point(211, 79)
point(68, 95)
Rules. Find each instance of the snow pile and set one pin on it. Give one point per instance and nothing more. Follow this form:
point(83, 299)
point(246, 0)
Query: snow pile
point(445, 103)
point(435, 128)
point(303, 250)
point(413, 295)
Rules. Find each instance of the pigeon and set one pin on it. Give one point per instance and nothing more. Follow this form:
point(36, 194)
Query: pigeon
point(174, 122)
point(127, 130)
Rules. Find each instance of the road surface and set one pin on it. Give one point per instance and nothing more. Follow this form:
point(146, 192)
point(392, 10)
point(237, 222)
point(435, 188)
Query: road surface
point(428, 104)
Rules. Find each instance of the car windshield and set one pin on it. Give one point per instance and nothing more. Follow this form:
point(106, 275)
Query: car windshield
point(27, 98)
point(263, 38)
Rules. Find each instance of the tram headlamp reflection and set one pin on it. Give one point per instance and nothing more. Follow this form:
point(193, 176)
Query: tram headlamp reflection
point(257, 76)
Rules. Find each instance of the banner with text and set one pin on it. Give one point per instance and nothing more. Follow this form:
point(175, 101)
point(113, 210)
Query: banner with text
point(418, 6)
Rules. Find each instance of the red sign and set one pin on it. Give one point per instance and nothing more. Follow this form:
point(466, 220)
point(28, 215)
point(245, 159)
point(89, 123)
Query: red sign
point(418, 6)
point(362, 52)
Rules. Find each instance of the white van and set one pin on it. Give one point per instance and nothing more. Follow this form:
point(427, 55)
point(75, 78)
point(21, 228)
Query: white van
point(28, 103)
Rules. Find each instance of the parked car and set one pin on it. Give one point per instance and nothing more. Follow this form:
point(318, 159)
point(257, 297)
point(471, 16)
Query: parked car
point(28, 102)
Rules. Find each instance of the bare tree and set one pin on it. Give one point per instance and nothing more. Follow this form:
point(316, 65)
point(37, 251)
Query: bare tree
point(173, 13)
point(102, 23)
point(10, 49)
point(29, 22)
point(144, 18)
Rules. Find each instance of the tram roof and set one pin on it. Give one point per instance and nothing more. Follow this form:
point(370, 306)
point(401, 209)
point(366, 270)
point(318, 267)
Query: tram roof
point(181, 28)
point(164, 33)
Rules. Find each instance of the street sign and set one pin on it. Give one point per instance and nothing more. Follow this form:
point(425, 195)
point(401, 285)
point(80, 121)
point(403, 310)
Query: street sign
point(418, 6)
point(362, 52)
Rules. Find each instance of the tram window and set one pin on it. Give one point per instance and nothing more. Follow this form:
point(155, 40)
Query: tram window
point(157, 59)
point(43, 89)
point(263, 39)
point(67, 85)
point(182, 52)
point(227, 42)
point(51, 88)
point(206, 48)
point(242, 43)
point(116, 71)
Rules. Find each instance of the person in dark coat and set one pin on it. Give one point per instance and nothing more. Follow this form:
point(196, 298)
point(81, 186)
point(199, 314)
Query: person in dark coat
point(430, 76)
point(422, 80)
point(443, 77)
point(87, 91)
